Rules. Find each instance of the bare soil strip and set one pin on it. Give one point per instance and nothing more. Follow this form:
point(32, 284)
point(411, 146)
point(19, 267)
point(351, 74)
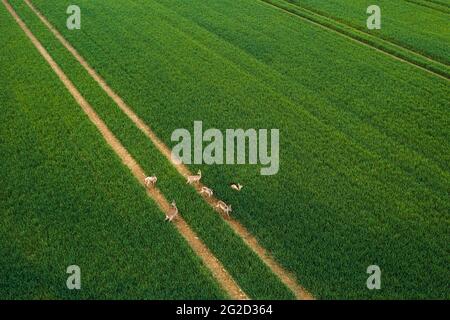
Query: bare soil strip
point(412, 63)
point(217, 269)
point(287, 278)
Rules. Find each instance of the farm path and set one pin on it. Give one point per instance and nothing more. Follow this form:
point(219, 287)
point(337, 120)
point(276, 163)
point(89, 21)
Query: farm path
point(210, 261)
point(287, 278)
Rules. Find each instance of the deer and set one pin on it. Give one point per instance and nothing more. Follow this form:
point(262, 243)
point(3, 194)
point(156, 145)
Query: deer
point(206, 191)
point(224, 207)
point(173, 212)
point(236, 186)
point(150, 181)
point(194, 178)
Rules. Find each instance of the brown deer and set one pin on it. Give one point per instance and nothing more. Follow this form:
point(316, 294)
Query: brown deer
point(173, 212)
point(224, 207)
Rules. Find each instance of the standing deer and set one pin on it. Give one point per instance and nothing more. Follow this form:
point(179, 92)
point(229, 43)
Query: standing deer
point(150, 181)
point(194, 178)
point(224, 207)
point(207, 191)
point(173, 212)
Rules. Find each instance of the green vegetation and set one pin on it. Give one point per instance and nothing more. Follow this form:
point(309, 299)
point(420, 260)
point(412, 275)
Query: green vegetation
point(245, 267)
point(432, 5)
point(365, 153)
point(423, 29)
point(67, 199)
point(373, 38)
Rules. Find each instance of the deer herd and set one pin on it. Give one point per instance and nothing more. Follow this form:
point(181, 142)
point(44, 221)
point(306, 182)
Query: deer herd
point(172, 213)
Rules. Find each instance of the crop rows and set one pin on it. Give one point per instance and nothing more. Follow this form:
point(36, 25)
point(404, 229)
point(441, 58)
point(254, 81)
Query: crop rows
point(364, 138)
point(250, 273)
point(66, 199)
point(421, 29)
point(377, 41)
point(432, 5)
point(355, 172)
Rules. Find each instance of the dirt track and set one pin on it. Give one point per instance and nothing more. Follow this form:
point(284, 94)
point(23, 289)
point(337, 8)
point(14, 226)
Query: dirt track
point(288, 279)
point(211, 262)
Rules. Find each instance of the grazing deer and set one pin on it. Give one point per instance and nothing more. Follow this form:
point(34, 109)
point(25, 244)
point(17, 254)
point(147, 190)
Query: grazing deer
point(173, 212)
point(224, 207)
point(194, 179)
point(207, 191)
point(150, 181)
point(236, 186)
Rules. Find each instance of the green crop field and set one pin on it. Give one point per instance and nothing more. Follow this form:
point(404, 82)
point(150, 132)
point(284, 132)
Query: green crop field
point(364, 152)
point(419, 25)
point(66, 198)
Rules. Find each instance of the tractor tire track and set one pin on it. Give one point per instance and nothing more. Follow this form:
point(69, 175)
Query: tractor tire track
point(285, 277)
point(431, 5)
point(209, 260)
point(360, 37)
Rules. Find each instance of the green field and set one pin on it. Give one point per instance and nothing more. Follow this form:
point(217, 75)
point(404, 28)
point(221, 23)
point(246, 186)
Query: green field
point(251, 274)
point(364, 147)
point(419, 25)
point(400, 21)
point(66, 199)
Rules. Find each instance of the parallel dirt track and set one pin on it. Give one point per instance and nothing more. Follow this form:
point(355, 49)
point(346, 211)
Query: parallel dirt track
point(210, 261)
point(288, 279)
point(361, 42)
